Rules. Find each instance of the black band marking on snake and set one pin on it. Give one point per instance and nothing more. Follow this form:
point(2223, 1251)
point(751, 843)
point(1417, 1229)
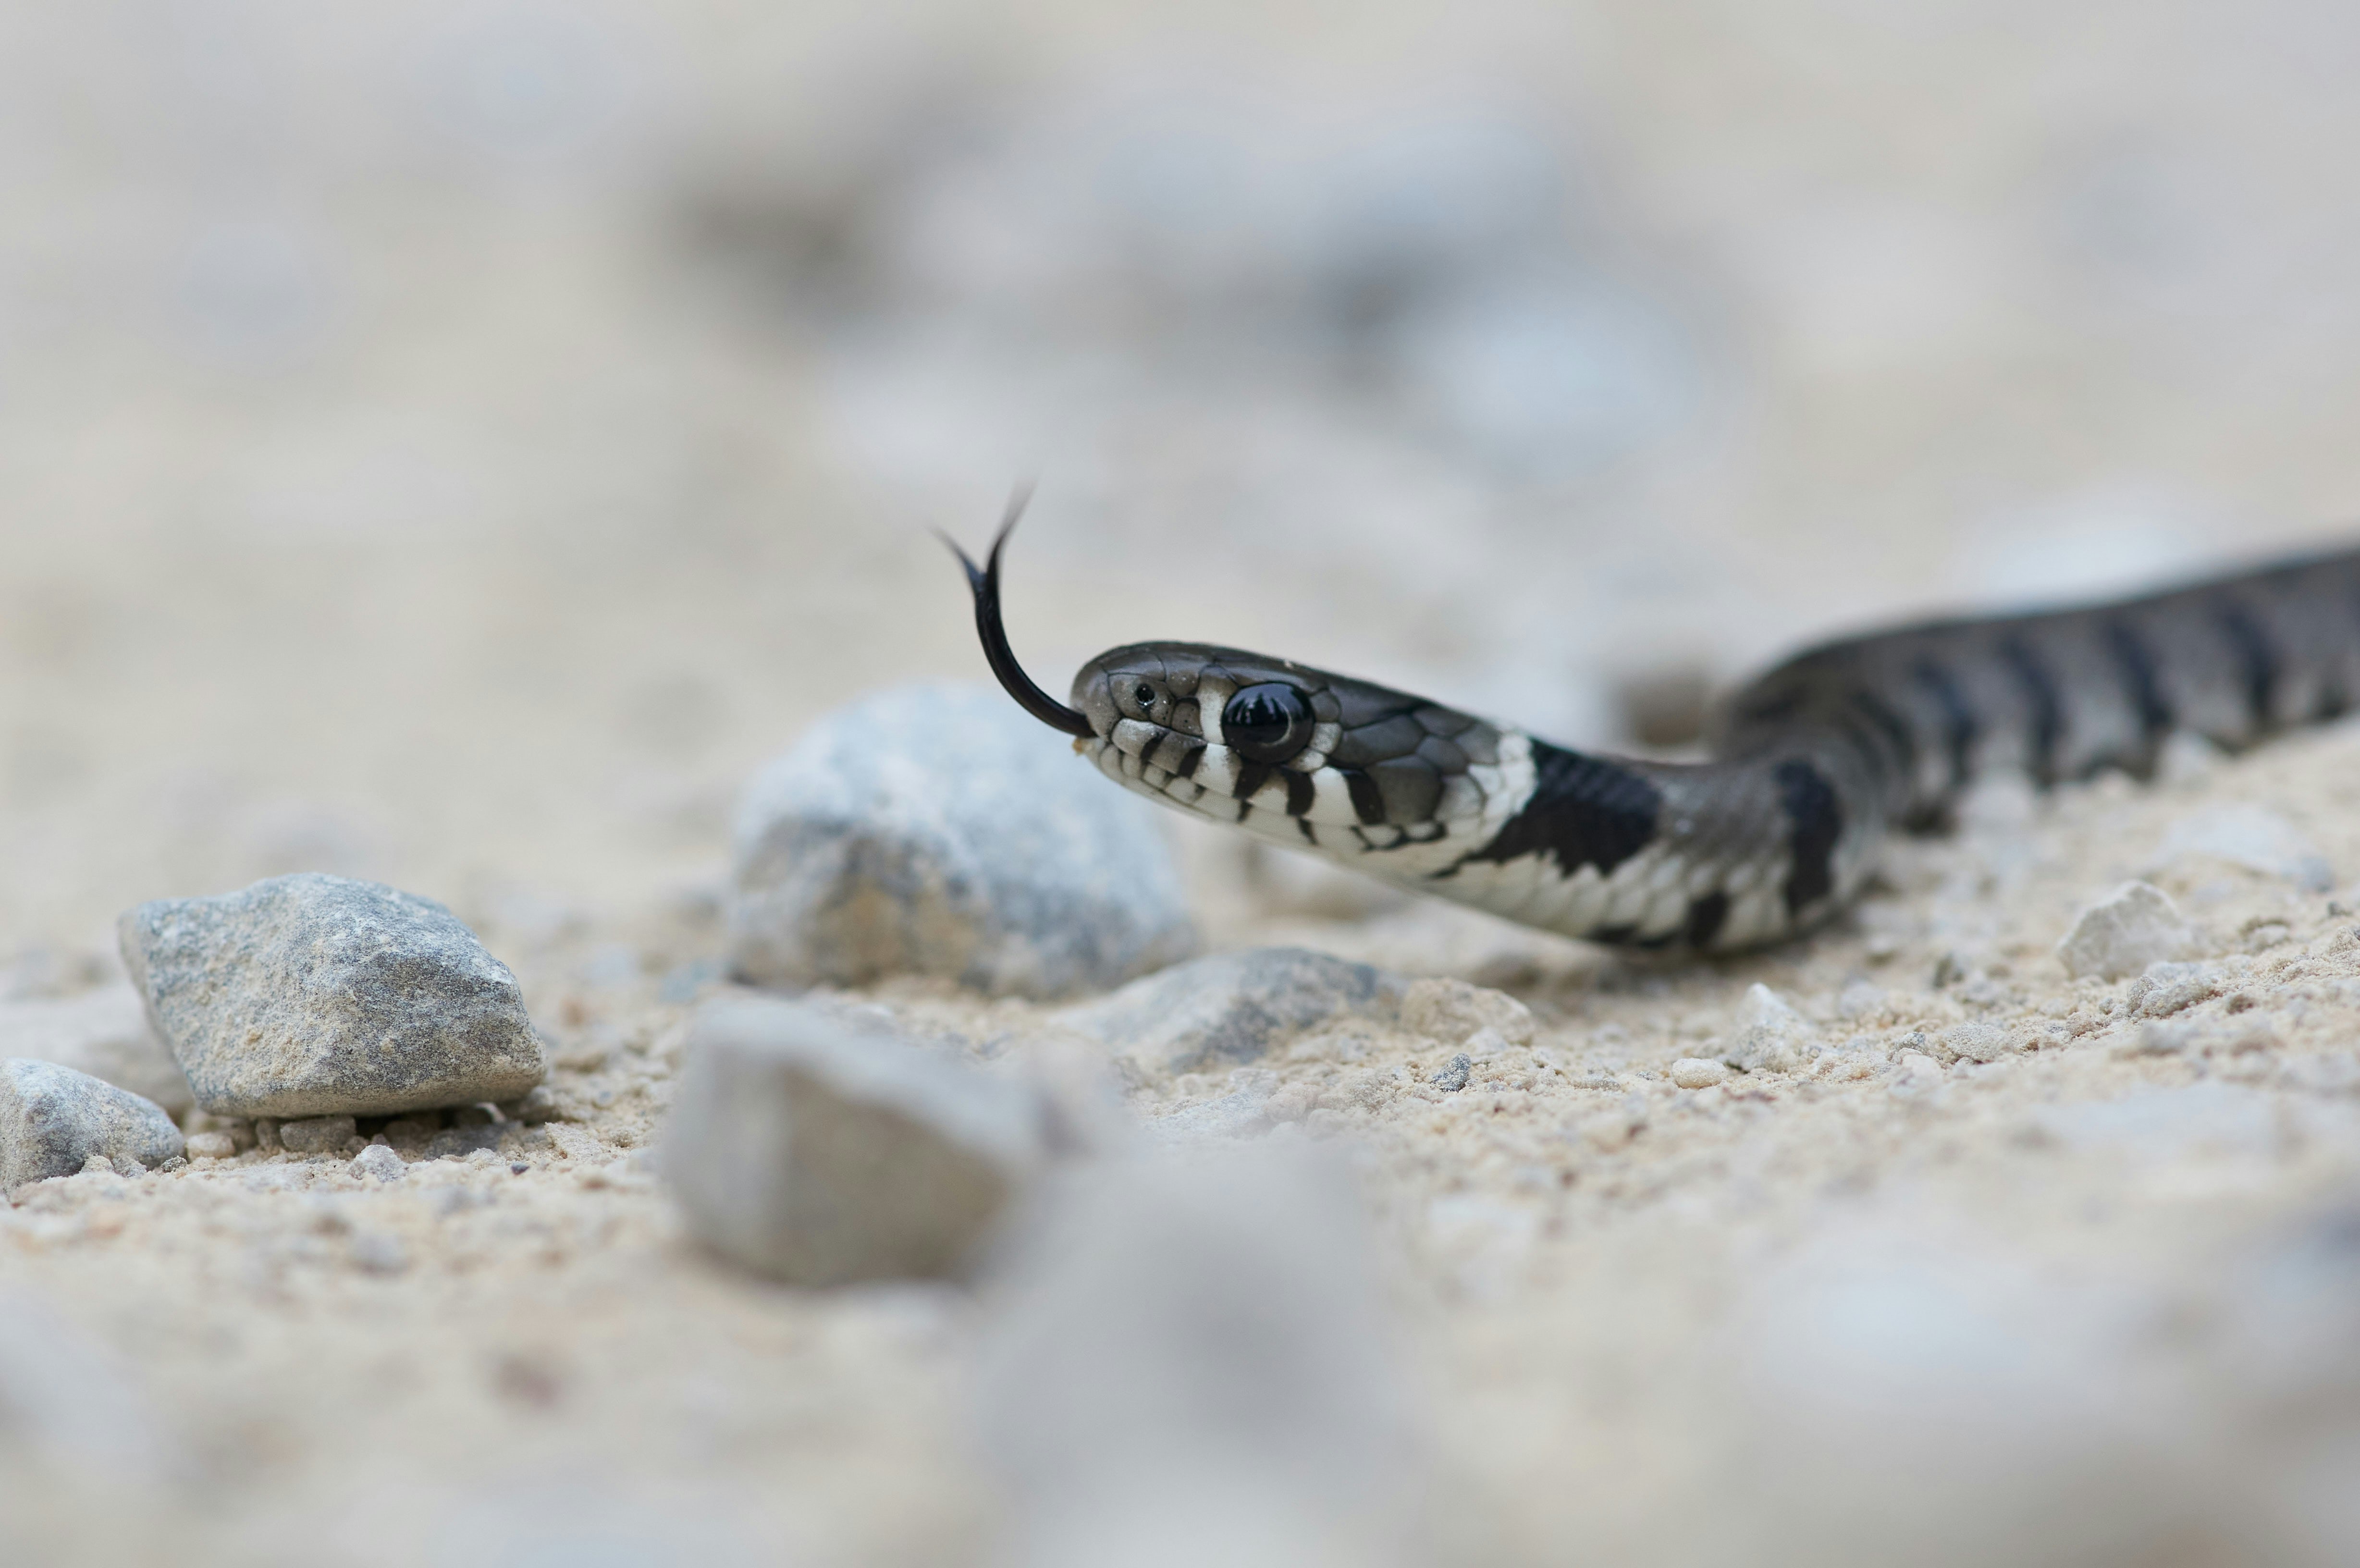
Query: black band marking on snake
point(1815, 761)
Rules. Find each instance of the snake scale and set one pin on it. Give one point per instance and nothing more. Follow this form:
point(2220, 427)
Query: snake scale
point(1812, 763)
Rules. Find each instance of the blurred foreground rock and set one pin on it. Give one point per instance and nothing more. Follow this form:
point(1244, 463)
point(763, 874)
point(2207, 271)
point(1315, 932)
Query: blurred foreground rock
point(2133, 926)
point(937, 830)
point(824, 1153)
point(1187, 1362)
point(313, 995)
point(53, 1119)
point(104, 1033)
point(1232, 1007)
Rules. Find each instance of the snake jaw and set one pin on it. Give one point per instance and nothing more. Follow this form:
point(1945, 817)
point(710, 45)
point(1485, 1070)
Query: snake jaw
point(984, 583)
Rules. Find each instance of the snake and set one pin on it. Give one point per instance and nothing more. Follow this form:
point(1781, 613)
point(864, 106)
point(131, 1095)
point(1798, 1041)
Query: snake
point(1811, 764)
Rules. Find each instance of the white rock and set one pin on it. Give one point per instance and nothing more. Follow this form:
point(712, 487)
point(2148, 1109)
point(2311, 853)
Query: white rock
point(806, 1150)
point(1452, 1010)
point(2133, 926)
point(1212, 1330)
point(1977, 1042)
point(938, 830)
point(211, 1146)
point(1700, 1072)
point(380, 1161)
point(2249, 835)
point(1771, 1035)
point(1233, 1008)
point(54, 1121)
point(308, 996)
point(104, 1033)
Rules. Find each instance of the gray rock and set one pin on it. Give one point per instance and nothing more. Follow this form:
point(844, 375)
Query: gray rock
point(1453, 1078)
point(1207, 1328)
point(2133, 926)
point(54, 1121)
point(1232, 1007)
point(806, 1147)
point(104, 1033)
point(380, 1161)
point(937, 829)
point(309, 995)
point(316, 1135)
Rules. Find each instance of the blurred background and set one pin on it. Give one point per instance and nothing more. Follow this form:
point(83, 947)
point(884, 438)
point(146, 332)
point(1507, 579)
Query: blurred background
point(454, 442)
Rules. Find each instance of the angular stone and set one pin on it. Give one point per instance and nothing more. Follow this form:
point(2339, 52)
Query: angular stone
point(823, 1153)
point(937, 830)
point(54, 1121)
point(1772, 1037)
point(311, 996)
point(1232, 1007)
point(104, 1033)
point(1451, 1010)
point(2133, 926)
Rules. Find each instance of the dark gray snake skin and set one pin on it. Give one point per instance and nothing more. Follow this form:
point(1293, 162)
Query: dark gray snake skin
point(1812, 764)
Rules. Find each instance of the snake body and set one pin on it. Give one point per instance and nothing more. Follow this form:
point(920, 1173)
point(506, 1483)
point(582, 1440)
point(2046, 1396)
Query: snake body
point(1813, 763)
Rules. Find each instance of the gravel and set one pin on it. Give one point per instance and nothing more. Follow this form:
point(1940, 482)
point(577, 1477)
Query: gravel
point(2136, 925)
point(54, 1121)
point(1233, 1008)
point(808, 1148)
point(311, 996)
point(937, 830)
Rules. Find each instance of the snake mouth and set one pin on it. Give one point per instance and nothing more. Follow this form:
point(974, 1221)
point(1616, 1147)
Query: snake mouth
point(984, 583)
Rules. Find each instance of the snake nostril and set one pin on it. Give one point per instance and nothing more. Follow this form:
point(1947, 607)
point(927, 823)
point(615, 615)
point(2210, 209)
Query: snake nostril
point(1143, 694)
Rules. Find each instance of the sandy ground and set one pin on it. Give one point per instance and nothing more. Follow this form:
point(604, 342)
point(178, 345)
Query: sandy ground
point(429, 456)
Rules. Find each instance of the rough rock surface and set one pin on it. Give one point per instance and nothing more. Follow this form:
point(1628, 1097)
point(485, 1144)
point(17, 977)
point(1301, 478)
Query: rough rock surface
point(805, 1146)
point(54, 1120)
point(2136, 925)
point(1771, 1035)
point(311, 996)
point(1232, 1007)
point(937, 830)
point(105, 1033)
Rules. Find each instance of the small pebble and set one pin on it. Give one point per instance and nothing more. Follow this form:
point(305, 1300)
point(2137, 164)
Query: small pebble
point(1233, 1008)
point(211, 1146)
point(380, 1161)
point(315, 1135)
point(1698, 1073)
point(1453, 1078)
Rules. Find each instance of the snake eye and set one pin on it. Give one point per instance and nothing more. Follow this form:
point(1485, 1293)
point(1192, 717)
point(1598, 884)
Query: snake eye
point(1266, 724)
point(1143, 694)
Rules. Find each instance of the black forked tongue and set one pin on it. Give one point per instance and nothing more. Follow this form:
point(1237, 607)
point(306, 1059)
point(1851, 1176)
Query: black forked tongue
point(985, 585)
